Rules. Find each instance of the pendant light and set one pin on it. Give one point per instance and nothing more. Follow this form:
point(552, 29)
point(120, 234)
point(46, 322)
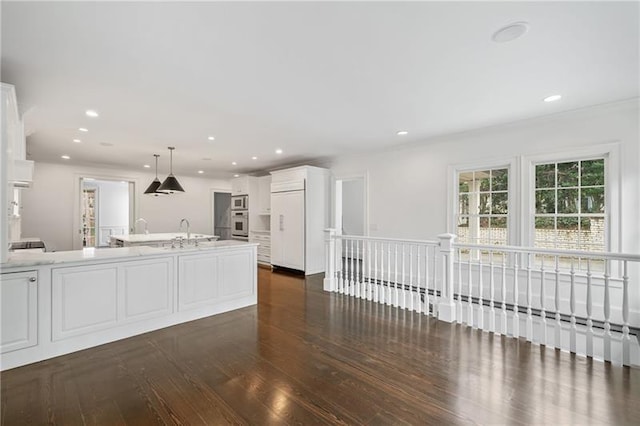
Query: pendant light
point(170, 184)
point(153, 188)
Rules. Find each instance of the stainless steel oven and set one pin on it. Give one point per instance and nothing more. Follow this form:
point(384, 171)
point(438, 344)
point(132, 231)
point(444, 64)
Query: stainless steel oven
point(239, 223)
point(240, 202)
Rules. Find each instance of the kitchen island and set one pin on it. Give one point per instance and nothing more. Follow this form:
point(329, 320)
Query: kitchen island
point(61, 302)
point(157, 239)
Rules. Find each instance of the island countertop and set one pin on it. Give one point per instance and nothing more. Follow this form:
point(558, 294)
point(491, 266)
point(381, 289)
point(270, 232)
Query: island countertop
point(160, 237)
point(20, 259)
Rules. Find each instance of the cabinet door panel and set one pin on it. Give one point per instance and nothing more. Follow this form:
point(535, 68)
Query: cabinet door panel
point(146, 289)
point(236, 279)
point(19, 321)
point(198, 280)
point(84, 300)
point(287, 229)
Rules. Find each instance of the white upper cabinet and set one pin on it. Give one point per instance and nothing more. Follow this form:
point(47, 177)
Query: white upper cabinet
point(240, 185)
point(264, 195)
point(19, 169)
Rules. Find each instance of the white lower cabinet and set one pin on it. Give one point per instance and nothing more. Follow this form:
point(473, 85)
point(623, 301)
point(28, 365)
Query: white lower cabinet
point(197, 280)
point(204, 279)
point(87, 299)
point(19, 311)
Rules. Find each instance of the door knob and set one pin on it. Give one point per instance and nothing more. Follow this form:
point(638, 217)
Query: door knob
point(32, 279)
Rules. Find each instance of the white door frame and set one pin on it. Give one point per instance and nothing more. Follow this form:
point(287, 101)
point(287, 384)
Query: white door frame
point(76, 235)
point(212, 211)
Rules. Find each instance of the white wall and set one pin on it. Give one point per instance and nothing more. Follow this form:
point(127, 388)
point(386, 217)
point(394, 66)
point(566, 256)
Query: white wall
point(48, 206)
point(408, 185)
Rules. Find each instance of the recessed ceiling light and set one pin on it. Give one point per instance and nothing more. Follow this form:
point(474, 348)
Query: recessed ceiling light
point(236, 175)
point(77, 140)
point(106, 144)
point(211, 138)
point(402, 133)
point(278, 151)
point(233, 163)
point(510, 32)
point(82, 129)
point(254, 158)
point(65, 157)
point(91, 113)
point(200, 171)
point(146, 166)
point(552, 98)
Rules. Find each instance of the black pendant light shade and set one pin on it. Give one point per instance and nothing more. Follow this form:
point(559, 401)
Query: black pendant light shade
point(170, 184)
point(153, 188)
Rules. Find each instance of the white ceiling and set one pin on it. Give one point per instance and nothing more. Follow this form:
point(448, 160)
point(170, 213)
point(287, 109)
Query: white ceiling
point(314, 79)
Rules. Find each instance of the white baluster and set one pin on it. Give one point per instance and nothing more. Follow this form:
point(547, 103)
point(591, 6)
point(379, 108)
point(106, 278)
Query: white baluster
point(426, 280)
point(359, 291)
point(607, 312)
point(589, 312)
point(516, 313)
point(480, 294)
point(492, 295)
point(395, 284)
point(470, 294)
point(352, 289)
point(503, 291)
point(572, 308)
point(410, 292)
point(626, 339)
point(418, 288)
point(402, 303)
point(558, 326)
point(389, 290)
point(369, 284)
point(529, 311)
point(459, 304)
point(376, 271)
point(543, 314)
point(342, 267)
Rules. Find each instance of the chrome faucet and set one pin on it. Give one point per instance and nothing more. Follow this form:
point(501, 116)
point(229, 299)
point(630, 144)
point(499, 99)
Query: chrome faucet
point(135, 224)
point(188, 229)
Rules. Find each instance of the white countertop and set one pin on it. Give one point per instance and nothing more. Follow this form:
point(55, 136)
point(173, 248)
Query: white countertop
point(165, 236)
point(20, 259)
point(261, 231)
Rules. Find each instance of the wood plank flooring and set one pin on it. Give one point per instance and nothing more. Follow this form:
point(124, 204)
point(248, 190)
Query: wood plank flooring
point(303, 356)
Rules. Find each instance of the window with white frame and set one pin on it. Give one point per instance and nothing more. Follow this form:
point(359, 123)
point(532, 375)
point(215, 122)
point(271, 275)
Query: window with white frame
point(570, 205)
point(482, 213)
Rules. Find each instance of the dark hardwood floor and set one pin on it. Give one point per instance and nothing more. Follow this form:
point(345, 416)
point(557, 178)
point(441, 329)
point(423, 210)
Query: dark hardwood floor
point(307, 357)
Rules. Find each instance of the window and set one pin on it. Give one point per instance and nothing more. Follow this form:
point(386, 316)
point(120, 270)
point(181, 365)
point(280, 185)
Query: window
point(570, 208)
point(483, 206)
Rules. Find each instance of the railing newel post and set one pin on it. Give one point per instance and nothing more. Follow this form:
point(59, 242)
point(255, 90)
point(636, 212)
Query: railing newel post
point(446, 305)
point(329, 283)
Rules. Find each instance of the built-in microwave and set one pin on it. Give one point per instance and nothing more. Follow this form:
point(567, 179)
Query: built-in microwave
point(240, 223)
point(240, 202)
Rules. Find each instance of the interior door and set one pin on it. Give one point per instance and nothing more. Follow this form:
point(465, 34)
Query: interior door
point(287, 229)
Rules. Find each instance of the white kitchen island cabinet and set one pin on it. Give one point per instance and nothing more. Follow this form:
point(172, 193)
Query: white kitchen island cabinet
point(61, 302)
point(19, 311)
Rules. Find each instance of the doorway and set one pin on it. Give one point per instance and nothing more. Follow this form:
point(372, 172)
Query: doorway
point(221, 214)
point(350, 206)
point(106, 208)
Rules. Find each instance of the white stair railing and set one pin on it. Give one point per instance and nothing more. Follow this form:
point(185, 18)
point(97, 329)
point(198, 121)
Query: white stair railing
point(572, 300)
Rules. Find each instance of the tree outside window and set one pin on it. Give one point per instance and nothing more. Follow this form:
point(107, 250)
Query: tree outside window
point(570, 210)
